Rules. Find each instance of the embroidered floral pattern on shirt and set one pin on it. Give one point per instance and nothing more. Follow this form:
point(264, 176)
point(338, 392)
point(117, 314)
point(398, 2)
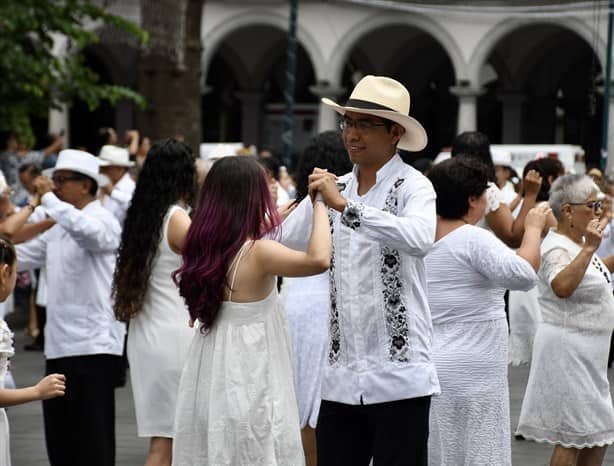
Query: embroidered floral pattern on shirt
point(390, 270)
point(352, 214)
point(334, 332)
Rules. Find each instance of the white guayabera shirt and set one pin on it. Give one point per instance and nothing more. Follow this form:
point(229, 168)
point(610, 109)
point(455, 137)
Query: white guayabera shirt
point(79, 254)
point(380, 329)
point(119, 200)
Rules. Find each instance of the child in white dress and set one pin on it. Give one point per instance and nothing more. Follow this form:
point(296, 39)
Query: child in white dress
point(49, 387)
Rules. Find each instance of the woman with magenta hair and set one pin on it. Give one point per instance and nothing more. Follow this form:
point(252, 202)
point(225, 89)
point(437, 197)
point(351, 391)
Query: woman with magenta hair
point(236, 402)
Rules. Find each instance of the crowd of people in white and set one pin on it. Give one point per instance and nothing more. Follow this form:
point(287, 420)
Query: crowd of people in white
point(405, 295)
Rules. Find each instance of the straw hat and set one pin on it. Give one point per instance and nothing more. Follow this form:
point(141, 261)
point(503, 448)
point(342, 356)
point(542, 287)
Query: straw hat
point(76, 161)
point(113, 156)
point(385, 98)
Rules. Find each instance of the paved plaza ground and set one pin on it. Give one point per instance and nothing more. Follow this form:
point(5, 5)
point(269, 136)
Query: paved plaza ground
point(28, 443)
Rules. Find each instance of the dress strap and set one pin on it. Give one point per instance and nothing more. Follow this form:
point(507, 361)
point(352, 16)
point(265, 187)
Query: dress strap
point(235, 264)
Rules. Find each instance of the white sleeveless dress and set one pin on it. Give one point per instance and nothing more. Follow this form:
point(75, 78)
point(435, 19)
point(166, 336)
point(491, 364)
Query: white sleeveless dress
point(158, 341)
point(6, 351)
point(236, 403)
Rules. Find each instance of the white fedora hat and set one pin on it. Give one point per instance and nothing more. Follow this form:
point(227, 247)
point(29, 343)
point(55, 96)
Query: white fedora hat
point(77, 161)
point(388, 99)
point(113, 156)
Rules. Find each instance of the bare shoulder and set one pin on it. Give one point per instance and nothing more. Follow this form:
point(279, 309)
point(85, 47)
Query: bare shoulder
point(178, 226)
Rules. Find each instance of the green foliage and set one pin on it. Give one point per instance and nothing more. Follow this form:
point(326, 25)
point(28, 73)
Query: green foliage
point(33, 78)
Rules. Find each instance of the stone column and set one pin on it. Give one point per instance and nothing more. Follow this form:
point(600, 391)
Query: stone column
point(58, 121)
point(609, 168)
point(512, 117)
point(251, 115)
point(467, 107)
point(327, 117)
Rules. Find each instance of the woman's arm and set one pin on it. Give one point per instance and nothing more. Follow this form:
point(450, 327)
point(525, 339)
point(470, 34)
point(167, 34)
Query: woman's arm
point(276, 259)
point(501, 221)
point(534, 224)
point(30, 230)
point(178, 227)
point(568, 279)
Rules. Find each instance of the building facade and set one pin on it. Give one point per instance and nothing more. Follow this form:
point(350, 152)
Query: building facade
point(522, 72)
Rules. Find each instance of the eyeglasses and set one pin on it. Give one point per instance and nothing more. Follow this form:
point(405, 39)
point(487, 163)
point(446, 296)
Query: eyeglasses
point(595, 205)
point(61, 179)
point(362, 125)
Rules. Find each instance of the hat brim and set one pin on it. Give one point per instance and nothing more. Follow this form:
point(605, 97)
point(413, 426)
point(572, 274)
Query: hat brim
point(106, 163)
point(95, 176)
point(414, 139)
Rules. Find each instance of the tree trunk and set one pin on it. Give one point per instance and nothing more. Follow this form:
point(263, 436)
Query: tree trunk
point(170, 70)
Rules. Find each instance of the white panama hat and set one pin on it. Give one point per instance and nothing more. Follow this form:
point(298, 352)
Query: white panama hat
point(77, 161)
point(385, 98)
point(113, 156)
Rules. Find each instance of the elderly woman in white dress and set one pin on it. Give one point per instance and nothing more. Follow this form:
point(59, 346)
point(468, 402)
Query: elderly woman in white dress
point(567, 401)
point(468, 271)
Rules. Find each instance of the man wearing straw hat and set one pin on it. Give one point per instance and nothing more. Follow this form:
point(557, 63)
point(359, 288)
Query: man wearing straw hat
point(379, 376)
point(117, 192)
point(82, 338)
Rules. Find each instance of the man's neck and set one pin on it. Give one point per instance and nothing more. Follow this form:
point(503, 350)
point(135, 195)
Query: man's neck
point(367, 175)
point(83, 202)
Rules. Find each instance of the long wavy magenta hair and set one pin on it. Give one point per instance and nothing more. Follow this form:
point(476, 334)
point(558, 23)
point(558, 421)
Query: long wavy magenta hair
point(235, 206)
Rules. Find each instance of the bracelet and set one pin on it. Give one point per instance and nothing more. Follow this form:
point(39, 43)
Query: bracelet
point(319, 197)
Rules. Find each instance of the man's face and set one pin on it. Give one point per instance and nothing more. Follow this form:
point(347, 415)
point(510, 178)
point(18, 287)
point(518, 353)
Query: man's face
point(70, 186)
point(367, 140)
point(114, 173)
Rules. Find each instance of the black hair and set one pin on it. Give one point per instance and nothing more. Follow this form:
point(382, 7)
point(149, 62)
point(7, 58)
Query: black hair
point(455, 181)
point(271, 165)
point(326, 150)
point(474, 144)
point(546, 167)
point(30, 168)
point(168, 177)
point(8, 255)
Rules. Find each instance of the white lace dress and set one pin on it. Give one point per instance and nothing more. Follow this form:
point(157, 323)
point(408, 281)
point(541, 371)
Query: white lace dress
point(6, 351)
point(236, 404)
point(468, 271)
point(567, 400)
point(307, 303)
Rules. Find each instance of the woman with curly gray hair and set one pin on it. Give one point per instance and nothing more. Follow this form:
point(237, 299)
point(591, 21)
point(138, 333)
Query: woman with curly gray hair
point(567, 401)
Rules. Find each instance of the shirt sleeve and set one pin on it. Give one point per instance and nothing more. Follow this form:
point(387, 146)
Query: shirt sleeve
point(553, 261)
point(89, 232)
point(493, 259)
point(296, 229)
point(494, 198)
point(32, 254)
point(411, 231)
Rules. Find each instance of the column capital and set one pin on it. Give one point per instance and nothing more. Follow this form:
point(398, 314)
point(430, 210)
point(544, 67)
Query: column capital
point(326, 89)
point(462, 91)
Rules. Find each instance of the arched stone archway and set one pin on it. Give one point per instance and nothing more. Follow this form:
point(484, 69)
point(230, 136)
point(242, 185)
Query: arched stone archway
point(244, 87)
point(417, 59)
point(382, 21)
point(213, 39)
point(539, 95)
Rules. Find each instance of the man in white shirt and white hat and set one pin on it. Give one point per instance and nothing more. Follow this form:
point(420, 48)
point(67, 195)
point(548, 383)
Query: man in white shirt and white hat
point(379, 376)
point(117, 193)
point(82, 338)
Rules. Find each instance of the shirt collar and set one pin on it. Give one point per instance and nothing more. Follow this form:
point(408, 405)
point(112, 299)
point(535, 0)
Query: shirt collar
point(390, 168)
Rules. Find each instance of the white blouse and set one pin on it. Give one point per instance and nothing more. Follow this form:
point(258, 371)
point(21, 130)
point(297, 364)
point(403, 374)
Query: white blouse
point(468, 271)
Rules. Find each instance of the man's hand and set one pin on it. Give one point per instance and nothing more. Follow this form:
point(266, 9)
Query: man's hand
point(43, 185)
point(324, 183)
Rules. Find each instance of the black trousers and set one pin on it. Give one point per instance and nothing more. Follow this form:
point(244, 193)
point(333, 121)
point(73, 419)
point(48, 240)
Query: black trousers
point(393, 433)
point(80, 426)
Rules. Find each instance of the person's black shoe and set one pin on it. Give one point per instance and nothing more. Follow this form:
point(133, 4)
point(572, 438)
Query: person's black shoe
point(519, 437)
point(34, 346)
